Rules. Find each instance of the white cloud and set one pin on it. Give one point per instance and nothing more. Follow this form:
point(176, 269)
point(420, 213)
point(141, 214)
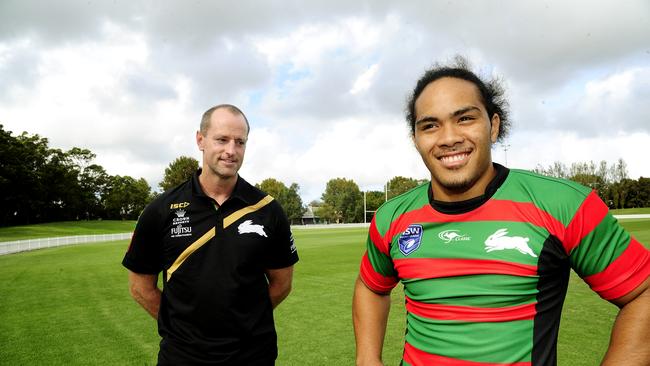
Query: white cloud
point(365, 80)
point(323, 82)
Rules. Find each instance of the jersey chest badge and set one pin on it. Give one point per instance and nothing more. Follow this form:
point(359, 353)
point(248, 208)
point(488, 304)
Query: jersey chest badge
point(409, 240)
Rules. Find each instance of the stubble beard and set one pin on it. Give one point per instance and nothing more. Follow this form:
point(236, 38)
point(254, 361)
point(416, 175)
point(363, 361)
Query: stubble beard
point(462, 183)
point(220, 172)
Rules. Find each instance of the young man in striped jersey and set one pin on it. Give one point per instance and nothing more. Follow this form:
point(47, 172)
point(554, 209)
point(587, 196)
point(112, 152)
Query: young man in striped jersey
point(484, 252)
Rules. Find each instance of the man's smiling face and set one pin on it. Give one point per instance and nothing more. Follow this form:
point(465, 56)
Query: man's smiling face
point(454, 135)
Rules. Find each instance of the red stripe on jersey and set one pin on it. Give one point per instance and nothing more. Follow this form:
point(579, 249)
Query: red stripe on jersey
point(492, 210)
point(376, 238)
point(592, 211)
point(417, 357)
point(442, 267)
point(471, 313)
point(624, 274)
point(423, 214)
point(375, 281)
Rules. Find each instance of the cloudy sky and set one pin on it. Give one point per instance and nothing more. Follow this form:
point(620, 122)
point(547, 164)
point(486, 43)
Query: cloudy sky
point(322, 82)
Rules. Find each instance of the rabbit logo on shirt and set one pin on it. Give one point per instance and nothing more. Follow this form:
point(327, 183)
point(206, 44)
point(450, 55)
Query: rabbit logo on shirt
point(500, 241)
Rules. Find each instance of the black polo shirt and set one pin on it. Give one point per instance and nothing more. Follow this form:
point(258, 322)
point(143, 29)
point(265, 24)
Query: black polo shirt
point(215, 306)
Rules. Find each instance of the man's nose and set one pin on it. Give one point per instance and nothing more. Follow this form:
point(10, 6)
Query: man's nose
point(450, 135)
point(230, 147)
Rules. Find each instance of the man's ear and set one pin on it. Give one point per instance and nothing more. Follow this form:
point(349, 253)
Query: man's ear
point(495, 127)
point(199, 140)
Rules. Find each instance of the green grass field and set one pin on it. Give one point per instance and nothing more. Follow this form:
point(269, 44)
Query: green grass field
point(66, 228)
point(631, 211)
point(70, 306)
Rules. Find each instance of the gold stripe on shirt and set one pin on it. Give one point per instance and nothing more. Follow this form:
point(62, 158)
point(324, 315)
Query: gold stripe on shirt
point(245, 211)
point(189, 250)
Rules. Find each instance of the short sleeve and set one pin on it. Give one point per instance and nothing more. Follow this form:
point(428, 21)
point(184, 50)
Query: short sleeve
point(144, 254)
point(605, 255)
point(377, 270)
point(283, 252)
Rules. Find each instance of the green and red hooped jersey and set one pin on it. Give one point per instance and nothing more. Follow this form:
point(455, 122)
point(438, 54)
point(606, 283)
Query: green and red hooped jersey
point(486, 287)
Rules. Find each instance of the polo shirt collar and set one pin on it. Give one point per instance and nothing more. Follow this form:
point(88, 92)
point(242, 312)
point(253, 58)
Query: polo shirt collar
point(242, 188)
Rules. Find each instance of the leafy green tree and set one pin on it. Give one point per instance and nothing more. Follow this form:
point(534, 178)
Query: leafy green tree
point(293, 204)
point(178, 172)
point(23, 191)
point(342, 201)
point(94, 183)
point(374, 199)
point(126, 197)
point(398, 185)
point(288, 197)
point(273, 187)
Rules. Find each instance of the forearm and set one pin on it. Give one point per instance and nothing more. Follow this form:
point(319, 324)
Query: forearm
point(278, 293)
point(629, 342)
point(370, 316)
point(279, 284)
point(149, 300)
point(144, 289)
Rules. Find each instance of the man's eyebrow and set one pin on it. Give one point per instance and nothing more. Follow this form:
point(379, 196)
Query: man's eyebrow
point(456, 113)
point(464, 110)
point(426, 119)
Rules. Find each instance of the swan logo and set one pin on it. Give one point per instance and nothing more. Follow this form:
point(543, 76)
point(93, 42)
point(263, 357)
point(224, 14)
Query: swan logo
point(409, 240)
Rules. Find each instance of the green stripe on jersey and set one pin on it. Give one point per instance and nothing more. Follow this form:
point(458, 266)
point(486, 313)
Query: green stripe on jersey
point(477, 290)
point(565, 196)
point(469, 240)
point(494, 342)
point(608, 239)
point(381, 263)
point(396, 206)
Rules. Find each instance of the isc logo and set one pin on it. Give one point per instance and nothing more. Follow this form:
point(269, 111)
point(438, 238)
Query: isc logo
point(174, 206)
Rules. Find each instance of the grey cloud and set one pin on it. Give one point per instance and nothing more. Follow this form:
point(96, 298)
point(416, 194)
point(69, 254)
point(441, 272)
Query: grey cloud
point(18, 68)
point(63, 20)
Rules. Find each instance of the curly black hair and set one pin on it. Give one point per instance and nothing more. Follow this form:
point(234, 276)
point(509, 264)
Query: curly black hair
point(492, 92)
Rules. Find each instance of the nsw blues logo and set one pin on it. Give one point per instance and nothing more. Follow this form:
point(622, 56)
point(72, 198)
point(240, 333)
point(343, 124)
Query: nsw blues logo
point(410, 239)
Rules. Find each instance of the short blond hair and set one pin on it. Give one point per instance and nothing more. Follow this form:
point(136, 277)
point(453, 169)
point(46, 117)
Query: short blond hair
point(205, 120)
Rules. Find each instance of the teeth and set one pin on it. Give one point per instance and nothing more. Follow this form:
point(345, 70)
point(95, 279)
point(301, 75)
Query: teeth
point(453, 158)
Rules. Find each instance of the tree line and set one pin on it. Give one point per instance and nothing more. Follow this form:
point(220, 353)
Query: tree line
point(44, 184)
point(611, 182)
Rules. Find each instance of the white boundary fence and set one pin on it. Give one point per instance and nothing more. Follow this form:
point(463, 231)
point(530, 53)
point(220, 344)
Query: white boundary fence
point(8, 247)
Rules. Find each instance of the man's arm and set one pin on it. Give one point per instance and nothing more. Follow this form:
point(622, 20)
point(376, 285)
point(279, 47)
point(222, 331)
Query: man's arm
point(144, 289)
point(631, 331)
point(279, 284)
point(370, 316)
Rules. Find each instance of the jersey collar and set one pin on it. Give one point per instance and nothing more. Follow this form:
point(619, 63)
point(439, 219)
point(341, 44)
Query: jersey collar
point(242, 191)
point(460, 207)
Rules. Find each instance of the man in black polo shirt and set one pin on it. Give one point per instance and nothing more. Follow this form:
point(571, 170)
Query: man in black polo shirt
point(226, 253)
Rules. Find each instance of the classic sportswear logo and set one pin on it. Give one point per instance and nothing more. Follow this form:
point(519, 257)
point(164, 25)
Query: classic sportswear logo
point(410, 239)
point(448, 236)
point(499, 241)
point(248, 227)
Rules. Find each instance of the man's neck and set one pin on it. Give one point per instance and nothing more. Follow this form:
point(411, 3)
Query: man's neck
point(217, 188)
point(477, 189)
